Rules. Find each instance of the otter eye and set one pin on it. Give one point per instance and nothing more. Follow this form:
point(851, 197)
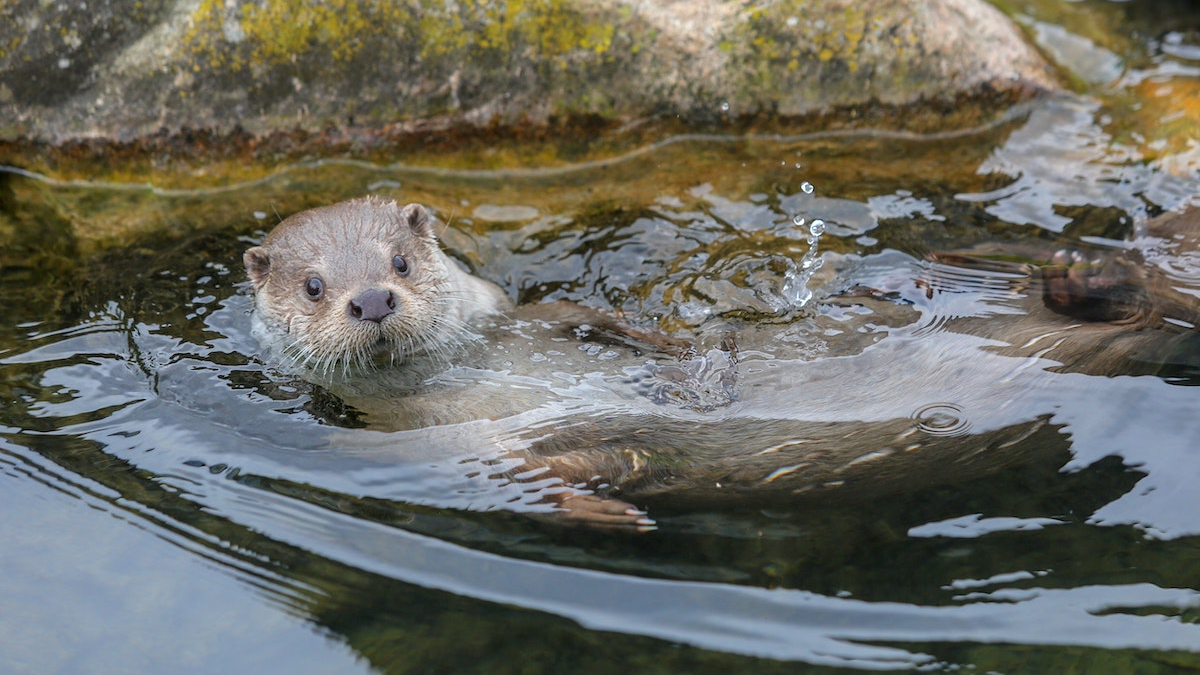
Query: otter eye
point(400, 265)
point(315, 288)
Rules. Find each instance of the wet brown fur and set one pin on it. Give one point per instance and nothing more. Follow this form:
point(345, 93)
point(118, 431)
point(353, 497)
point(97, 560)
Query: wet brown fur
point(1086, 315)
point(349, 248)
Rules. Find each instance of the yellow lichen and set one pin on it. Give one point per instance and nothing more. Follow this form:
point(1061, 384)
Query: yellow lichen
point(282, 30)
point(205, 36)
point(552, 29)
point(277, 31)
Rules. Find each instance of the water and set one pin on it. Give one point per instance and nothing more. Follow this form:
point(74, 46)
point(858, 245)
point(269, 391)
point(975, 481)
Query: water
point(174, 504)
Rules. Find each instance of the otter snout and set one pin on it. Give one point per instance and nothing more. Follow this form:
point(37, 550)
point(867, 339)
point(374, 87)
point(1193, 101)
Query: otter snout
point(373, 305)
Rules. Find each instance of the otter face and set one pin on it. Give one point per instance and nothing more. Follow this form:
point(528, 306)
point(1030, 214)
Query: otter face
point(339, 287)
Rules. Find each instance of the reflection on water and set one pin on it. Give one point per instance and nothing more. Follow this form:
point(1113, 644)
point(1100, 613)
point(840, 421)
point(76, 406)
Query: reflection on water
point(921, 464)
point(1062, 158)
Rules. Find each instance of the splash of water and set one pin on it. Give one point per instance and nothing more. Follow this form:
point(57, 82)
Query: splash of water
point(795, 288)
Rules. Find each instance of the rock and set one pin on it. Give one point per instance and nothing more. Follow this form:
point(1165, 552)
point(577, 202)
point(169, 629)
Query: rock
point(125, 69)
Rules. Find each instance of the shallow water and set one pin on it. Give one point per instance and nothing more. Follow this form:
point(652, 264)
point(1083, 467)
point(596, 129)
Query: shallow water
point(175, 504)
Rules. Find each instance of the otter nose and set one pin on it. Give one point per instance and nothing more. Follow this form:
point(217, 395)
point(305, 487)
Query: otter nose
point(372, 305)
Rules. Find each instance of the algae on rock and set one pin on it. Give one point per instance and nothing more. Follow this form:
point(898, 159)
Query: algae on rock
point(265, 65)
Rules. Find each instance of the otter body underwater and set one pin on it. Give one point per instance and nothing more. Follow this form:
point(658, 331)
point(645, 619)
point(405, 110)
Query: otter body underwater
point(359, 298)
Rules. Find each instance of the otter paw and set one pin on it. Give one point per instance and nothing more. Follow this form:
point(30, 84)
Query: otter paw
point(1092, 290)
point(595, 511)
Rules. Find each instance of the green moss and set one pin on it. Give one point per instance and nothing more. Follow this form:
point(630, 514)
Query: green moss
point(552, 29)
point(397, 59)
point(279, 31)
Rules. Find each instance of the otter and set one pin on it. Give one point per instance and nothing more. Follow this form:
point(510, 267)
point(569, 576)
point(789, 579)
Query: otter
point(359, 297)
point(338, 287)
point(346, 290)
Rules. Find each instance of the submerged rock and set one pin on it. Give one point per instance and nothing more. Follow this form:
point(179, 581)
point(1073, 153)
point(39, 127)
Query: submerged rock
point(120, 70)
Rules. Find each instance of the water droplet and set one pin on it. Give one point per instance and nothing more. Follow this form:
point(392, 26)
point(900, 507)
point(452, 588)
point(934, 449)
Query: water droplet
point(942, 419)
point(817, 228)
point(798, 221)
point(799, 165)
point(725, 106)
point(806, 187)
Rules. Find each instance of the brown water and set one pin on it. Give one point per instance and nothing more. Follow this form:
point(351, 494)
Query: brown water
point(173, 504)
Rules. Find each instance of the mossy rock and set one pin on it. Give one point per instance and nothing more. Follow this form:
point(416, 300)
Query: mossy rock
point(118, 70)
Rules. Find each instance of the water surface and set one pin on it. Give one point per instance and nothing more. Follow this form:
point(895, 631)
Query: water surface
point(175, 503)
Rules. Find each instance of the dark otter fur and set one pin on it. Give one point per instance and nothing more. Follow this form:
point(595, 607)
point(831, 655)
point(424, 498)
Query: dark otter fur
point(793, 427)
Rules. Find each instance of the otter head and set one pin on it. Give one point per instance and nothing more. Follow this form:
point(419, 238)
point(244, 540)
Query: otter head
point(338, 287)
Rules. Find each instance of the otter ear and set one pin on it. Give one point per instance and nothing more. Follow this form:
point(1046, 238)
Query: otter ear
point(258, 265)
point(416, 217)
